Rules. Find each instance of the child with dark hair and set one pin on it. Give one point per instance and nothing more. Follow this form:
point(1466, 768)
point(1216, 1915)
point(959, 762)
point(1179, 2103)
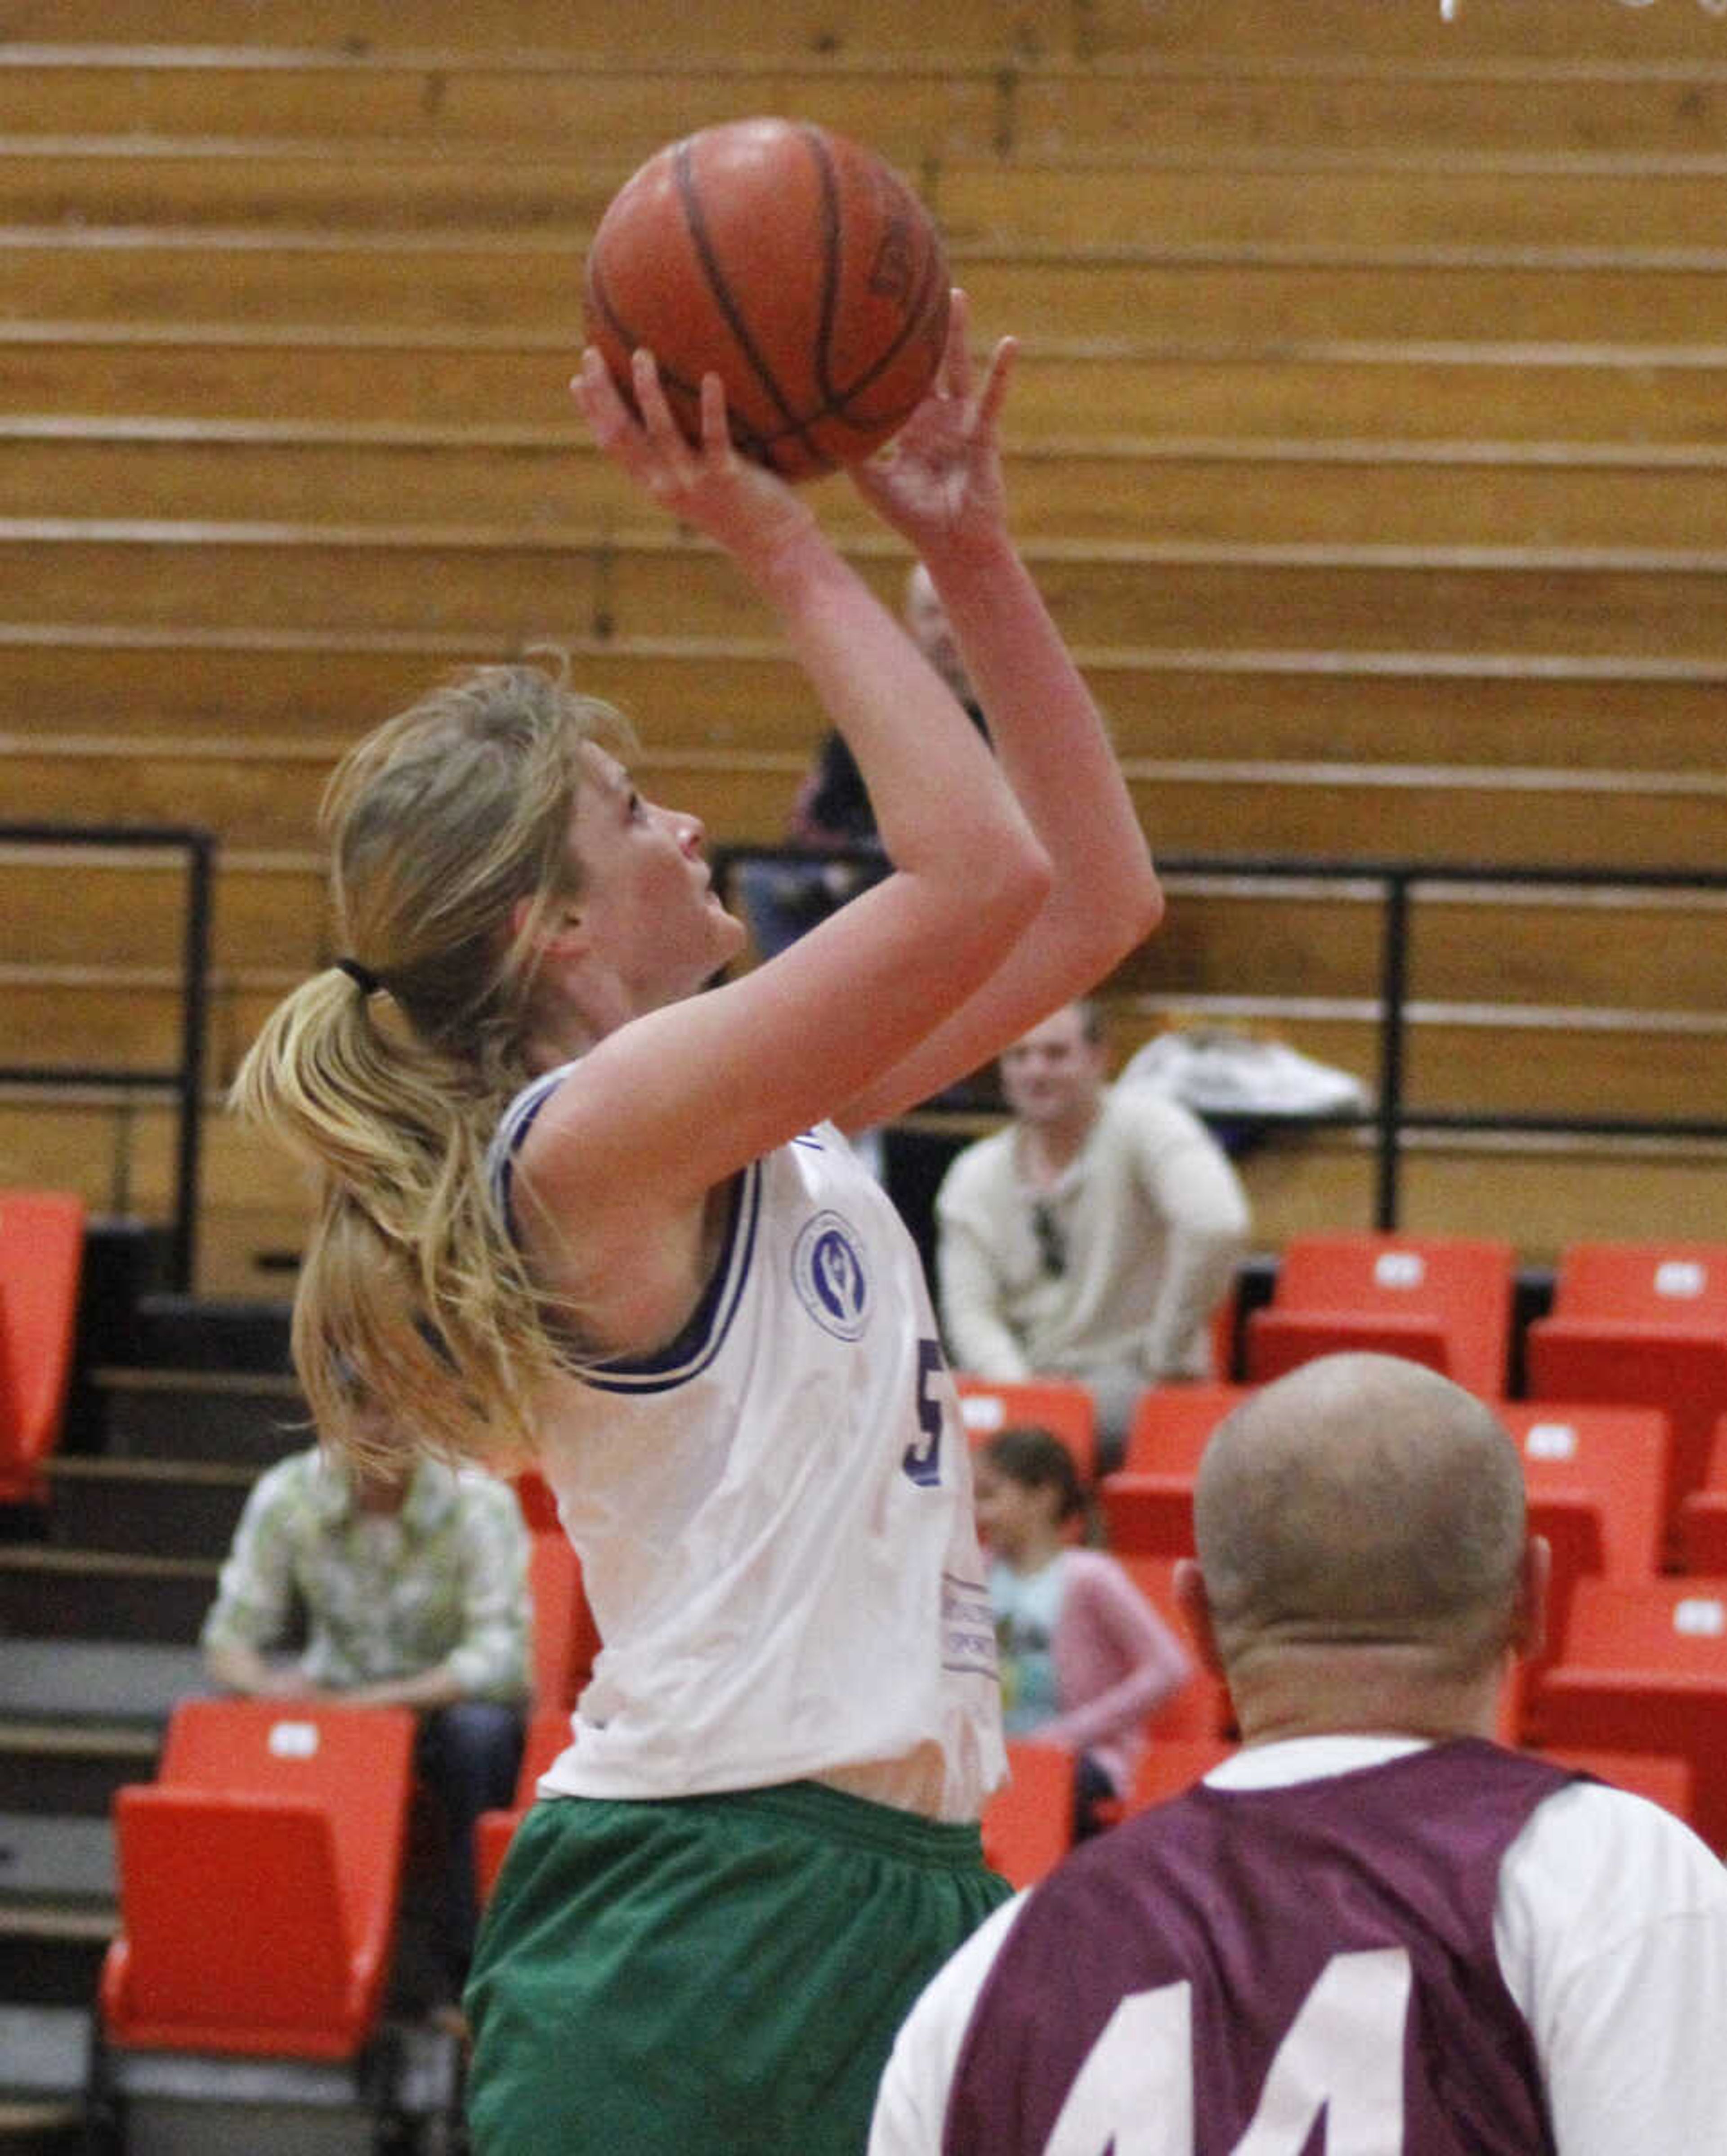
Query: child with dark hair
point(1085, 1659)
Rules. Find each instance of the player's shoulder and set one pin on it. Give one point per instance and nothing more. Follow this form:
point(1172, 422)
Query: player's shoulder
point(1608, 1851)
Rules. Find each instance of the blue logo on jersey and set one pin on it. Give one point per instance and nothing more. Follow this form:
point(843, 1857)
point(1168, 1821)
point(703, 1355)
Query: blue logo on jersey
point(828, 1274)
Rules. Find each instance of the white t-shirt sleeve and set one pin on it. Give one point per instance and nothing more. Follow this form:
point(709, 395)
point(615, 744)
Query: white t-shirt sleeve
point(912, 2104)
point(1611, 1933)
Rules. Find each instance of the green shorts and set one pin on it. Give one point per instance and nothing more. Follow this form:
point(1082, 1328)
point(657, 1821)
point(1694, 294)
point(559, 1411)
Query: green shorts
point(720, 1973)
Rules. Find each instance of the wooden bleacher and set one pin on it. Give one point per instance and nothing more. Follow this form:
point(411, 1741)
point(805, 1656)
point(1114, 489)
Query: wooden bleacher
point(1366, 440)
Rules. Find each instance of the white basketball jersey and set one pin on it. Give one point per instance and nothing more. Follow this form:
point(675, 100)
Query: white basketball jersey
point(774, 1518)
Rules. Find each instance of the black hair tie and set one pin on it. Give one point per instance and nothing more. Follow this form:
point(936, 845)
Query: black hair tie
point(363, 977)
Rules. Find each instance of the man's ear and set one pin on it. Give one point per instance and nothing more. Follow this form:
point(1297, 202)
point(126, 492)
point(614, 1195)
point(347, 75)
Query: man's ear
point(1528, 1620)
point(1195, 1605)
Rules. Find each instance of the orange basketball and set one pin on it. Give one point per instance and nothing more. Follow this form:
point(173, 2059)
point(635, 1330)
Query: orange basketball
point(791, 262)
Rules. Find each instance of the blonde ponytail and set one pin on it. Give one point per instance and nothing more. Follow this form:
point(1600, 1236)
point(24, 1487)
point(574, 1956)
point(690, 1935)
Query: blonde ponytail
point(388, 1073)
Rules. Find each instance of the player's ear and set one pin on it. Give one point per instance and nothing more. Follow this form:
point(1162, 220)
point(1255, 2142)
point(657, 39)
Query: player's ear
point(1195, 1606)
point(559, 930)
point(1528, 1617)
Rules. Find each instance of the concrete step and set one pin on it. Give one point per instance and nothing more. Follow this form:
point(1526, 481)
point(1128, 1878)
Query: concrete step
point(133, 1683)
point(52, 1860)
point(213, 1333)
point(45, 2052)
point(69, 1768)
point(44, 2071)
point(163, 1507)
point(243, 1417)
point(50, 1955)
point(80, 1717)
point(100, 1595)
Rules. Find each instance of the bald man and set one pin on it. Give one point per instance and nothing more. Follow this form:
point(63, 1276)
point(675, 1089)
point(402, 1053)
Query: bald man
point(1372, 1932)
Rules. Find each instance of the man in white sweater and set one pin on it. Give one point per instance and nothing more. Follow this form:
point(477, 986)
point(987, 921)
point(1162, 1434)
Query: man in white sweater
point(1094, 1237)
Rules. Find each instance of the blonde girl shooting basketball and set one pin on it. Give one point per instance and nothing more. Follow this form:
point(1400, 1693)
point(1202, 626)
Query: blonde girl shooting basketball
point(573, 1206)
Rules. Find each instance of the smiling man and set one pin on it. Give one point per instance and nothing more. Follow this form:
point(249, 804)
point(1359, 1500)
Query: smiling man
point(1093, 1237)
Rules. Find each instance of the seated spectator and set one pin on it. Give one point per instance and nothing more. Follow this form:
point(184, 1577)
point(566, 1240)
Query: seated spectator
point(1095, 1237)
point(832, 813)
point(1084, 1657)
point(411, 1587)
point(1373, 1928)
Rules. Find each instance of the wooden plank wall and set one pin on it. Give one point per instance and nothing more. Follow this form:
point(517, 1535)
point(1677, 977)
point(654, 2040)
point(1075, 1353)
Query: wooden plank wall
point(1368, 443)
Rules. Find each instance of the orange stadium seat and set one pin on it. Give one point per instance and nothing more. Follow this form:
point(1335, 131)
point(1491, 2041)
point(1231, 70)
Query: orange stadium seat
point(41, 1267)
point(1061, 1405)
point(539, 1507)
point(548, 1732)
point(1028, 1824)
point(1594, 1475)
point(1170, 1764)
point(1201, 1708)
point(1644, 1668)
point(1703, 1512)
point(1668, 1782)
point(1642, 1323)
point(565, 1639)
point(1444, 1300)
point(259, 1876)
point(1148, 1504)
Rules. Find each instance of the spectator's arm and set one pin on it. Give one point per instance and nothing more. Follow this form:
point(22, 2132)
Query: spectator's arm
point(1200, 1197)
point(1156, 1664)
point(255, 1595)
point(979, 1338)
point(236, 1667)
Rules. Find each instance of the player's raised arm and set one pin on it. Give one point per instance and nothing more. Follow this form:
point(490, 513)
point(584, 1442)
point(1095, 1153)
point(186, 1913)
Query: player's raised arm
point(940, 484)
point(697, 1085)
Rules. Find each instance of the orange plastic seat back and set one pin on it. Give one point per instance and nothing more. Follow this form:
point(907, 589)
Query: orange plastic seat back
point(1028, 1824)
point(1703, 1512)
point(548, 1731)
point(1682, 1284)
point(1172, 1423)
point(1202, 1707)
point(565, 1639)
point(1147, 1504)
point(1061, 1405)
point(235, 1938)
point(539, 1507)
point(1169, 1765)
point(1644, 1324)
point(1147, 1514)
point(1608, 1461)
point(42, 1234)
point(1644, 1669)
point(1443, 1301)
point(1668, 1782)
point(356, 1763)
point(259, 1876)
point(1594, 1477)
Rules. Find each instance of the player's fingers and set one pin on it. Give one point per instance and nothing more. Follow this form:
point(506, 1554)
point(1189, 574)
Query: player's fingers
point(994, 394)
point(598, 395)
point(954, 373)
point(662, 428)
point(716, 434)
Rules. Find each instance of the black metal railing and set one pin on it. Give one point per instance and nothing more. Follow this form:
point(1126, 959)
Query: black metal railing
point(182, 1082)
point(1398, 884)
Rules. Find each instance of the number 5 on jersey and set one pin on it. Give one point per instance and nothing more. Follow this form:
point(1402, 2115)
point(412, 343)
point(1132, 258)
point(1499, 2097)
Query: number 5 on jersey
point(922, 1460)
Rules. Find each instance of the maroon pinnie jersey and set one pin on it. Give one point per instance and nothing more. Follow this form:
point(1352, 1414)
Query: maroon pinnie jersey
point(1301, 1971)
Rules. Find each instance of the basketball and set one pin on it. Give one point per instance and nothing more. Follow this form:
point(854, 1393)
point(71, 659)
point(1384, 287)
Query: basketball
point(791, 262)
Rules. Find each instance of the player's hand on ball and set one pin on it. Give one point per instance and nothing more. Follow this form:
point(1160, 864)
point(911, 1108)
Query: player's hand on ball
point(708, 485)
point(939, 481)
